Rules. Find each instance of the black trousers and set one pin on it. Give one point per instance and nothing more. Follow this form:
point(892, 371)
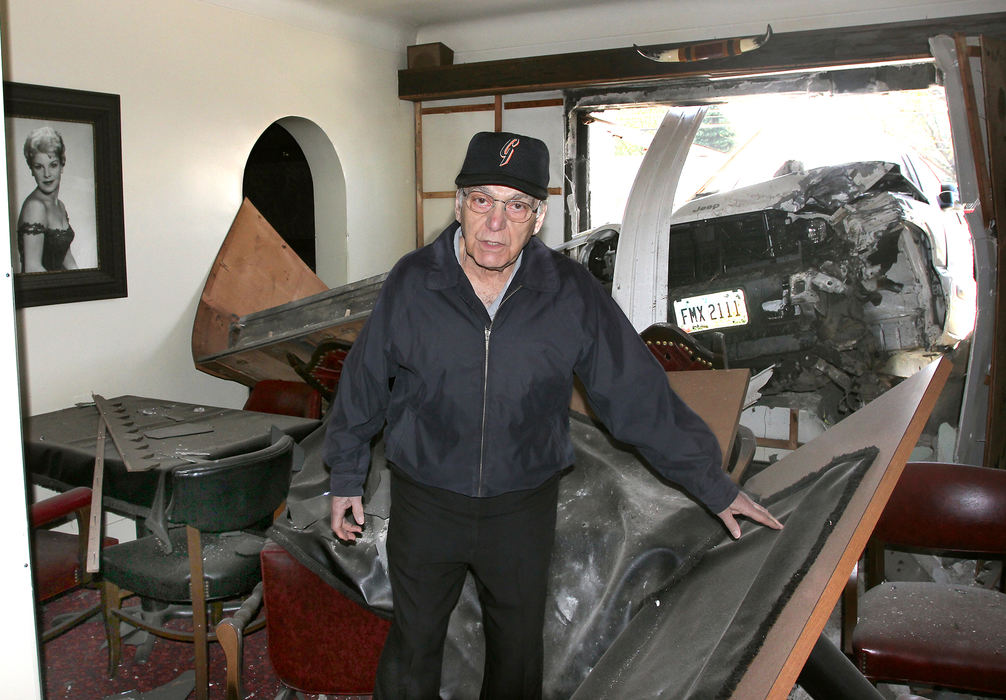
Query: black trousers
point(434, 538)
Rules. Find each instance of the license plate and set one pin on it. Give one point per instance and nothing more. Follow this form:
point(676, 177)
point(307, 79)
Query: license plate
point(705, 312)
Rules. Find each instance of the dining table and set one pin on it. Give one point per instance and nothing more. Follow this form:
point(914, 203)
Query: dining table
point(60, 446)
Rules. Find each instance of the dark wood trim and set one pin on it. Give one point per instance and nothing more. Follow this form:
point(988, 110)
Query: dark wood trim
point(964, 53)
point(993, 62)
point(454, 109)
point(490, 106)
point(532, 104)
point(418, 126)
point(819, 48)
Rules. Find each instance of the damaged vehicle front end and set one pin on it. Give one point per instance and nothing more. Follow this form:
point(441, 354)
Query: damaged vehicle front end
point(843, 277)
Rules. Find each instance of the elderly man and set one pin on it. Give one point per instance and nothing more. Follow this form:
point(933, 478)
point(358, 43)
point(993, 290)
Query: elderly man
point(469, 357)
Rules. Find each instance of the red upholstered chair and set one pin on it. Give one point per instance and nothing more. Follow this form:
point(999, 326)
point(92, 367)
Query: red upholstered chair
point(324, 368)
point(678, 351)
point(301, 610)
point(284, 397)
point(59, 557)
point(935, 634)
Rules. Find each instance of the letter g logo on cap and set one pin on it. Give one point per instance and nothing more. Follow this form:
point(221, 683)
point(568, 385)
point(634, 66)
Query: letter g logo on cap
point(506, 153)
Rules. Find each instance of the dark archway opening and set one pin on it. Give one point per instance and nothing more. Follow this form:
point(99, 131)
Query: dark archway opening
point(278, 182)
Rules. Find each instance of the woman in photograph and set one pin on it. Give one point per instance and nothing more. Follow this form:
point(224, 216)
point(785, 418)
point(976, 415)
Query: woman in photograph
point(43, 227)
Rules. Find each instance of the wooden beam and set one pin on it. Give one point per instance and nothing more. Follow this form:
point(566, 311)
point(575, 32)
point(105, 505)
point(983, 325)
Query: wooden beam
point(491, 106)
point(892, 423)
point(531, 104)
point(975, 135)
point(820, 48)
point(993, 55)
point(420, 228)
point(454, 109)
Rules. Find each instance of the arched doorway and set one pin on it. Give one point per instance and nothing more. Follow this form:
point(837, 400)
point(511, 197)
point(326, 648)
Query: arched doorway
point(278, 182)
point(294, 177)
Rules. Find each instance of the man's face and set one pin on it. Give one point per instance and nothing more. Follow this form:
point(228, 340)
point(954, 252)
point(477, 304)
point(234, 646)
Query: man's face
point(492, 240)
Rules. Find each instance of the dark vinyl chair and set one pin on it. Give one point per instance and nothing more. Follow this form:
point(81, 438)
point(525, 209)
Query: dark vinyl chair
point(221, 509)
point(934, 634)
point(303, 609)
point(59, 557)
point(284, 397)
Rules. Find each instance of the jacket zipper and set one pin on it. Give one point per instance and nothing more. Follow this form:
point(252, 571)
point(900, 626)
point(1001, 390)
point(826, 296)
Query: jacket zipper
point(485, 390)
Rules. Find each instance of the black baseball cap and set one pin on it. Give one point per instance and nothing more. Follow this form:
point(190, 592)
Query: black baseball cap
point(503, 158)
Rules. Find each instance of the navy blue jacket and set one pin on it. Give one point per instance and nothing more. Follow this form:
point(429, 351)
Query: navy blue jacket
point(481, 407)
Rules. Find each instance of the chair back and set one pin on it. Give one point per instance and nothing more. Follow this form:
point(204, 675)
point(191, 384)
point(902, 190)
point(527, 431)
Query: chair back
point(285, 398)
point(678, 351)
point(948, 508)
point(932, 633)
point(324, 368)
point(232, 493)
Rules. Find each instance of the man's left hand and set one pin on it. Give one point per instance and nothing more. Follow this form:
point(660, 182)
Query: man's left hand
point(743, 505)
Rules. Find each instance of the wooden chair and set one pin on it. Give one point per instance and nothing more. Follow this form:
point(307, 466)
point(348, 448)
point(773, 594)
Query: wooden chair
point(934, 634)
point(302, 610)
point(221, 508)
point(284, 397)
point(59, 557)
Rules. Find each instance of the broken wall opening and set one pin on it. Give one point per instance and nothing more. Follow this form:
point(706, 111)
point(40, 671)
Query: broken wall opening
point(819, 118)
point(758, 128)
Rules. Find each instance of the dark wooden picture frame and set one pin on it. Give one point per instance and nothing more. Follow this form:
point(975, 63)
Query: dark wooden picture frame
point(89, 125)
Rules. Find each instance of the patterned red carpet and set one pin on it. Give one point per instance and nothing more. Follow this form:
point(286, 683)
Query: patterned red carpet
point(75, 664)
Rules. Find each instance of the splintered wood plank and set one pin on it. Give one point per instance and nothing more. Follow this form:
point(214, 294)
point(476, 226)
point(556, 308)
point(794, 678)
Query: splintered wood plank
point(716, 395)
point(92, 563)
point(254, 270)
point(892, 423)
point(131, 442)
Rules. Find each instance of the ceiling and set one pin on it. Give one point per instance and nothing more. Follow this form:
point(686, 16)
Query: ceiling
point(420, 13)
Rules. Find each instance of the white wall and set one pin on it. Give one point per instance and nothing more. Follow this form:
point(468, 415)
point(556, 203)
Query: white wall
point(19, 672)
point(199, 83)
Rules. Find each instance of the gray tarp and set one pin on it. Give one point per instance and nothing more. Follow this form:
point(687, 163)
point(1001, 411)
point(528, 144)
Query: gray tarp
point(641, 575)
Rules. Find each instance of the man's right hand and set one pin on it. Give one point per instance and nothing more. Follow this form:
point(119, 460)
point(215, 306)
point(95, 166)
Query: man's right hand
point(345, 528)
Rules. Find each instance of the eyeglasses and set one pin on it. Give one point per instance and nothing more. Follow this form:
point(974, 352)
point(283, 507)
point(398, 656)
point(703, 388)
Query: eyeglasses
point(516, 210)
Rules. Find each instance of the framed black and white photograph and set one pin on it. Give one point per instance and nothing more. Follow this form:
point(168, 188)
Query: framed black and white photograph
point(64, 174)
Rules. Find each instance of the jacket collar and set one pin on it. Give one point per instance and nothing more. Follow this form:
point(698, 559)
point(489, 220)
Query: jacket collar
point(538, 270)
